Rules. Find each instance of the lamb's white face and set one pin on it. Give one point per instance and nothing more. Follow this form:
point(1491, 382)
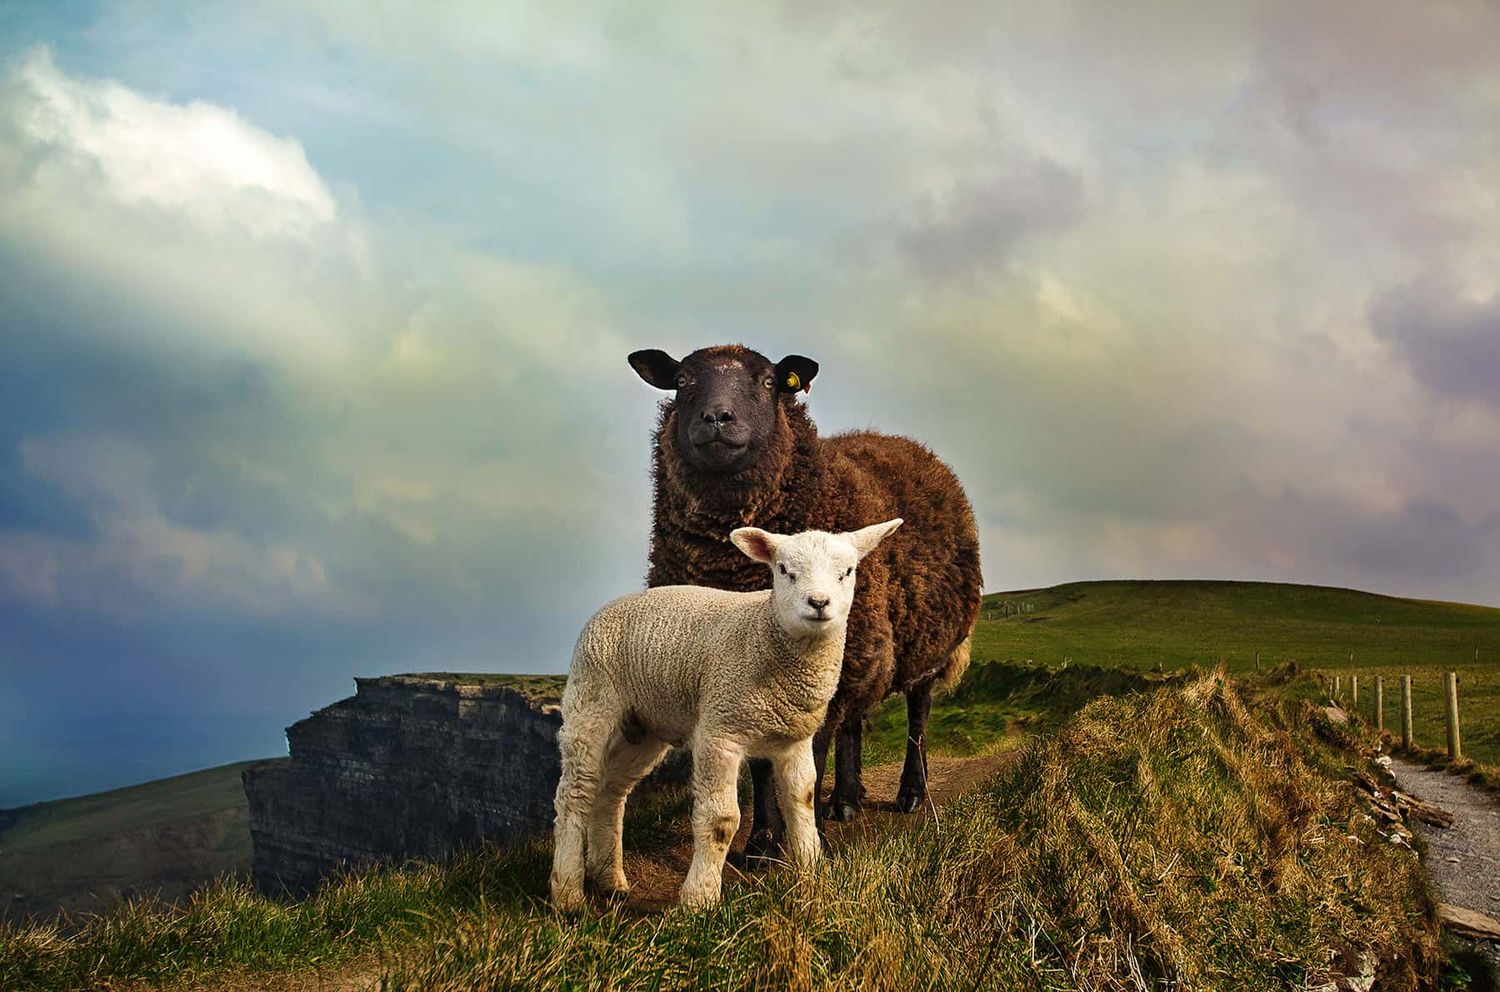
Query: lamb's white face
point(813, 573)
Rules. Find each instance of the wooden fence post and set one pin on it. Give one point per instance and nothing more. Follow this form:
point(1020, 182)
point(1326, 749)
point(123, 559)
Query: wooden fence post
point(1406, 734)
point(1257, 661)
point(1338, 685)
point(1450, 694)
point(1379, 703)
point(1354, 689)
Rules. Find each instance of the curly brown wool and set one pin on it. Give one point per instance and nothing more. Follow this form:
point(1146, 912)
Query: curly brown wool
point(917, 595)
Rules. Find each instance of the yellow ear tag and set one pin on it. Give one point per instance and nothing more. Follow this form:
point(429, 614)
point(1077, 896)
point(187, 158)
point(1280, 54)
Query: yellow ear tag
point(792, 382)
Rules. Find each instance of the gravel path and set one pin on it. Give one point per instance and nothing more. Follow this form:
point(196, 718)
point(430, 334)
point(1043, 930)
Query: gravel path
point(1463, 860)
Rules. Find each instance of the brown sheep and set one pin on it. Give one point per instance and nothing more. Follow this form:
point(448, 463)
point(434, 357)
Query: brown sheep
point(734, 448)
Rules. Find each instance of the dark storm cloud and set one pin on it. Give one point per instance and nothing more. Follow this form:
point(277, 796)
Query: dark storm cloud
point(1424, 540)
point(1451, 346)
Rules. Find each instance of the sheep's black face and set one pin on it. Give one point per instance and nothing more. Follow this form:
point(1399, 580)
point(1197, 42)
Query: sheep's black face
point(726, 400)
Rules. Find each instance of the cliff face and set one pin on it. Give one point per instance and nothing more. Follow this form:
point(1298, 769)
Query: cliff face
point(411, 766)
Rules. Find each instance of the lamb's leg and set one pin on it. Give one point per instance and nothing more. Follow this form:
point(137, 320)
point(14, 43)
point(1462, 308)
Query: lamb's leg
point(796, 783)
point(848, 789)
point(625, 764)
point(716, 816)
point(914, 773)
point(582, 746)
point(763, 846)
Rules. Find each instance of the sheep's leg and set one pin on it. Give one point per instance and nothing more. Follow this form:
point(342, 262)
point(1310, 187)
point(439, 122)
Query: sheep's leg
point(914, 773)
point(625, 764)
point(796, 783)
point(820, 742)
point(582, 746)
point(848, 789)
point(716, 816)
point(763, 846)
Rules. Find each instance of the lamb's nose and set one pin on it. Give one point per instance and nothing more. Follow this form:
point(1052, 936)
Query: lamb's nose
point(718, 417)
point(818, 603)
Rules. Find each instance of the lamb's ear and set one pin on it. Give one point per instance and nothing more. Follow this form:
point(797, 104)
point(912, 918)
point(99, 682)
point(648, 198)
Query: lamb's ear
point(758, 544)
point(795, 372)
point(658, 368)
point(866, 538)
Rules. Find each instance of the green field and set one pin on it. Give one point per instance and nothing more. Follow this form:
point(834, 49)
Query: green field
point(1141, 624)
point(87, 853)
point(1145, 624)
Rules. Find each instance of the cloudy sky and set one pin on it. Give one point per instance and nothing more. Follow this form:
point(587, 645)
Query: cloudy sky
point(315, 315)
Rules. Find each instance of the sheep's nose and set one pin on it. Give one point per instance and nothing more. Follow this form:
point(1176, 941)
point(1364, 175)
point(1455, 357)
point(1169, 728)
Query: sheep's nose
point(718, 417)
point(818, 603)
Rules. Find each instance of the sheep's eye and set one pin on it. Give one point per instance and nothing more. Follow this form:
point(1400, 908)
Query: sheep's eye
point(782, 567)
point(769, 383)
point(683, 380)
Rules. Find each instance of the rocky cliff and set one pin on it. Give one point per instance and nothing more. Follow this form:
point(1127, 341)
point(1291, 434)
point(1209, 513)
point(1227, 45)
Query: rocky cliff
point(411, 766)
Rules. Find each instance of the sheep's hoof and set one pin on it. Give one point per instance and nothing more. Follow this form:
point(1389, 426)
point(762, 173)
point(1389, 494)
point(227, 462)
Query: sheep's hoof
point(910, 799)
point(762, 850)
point(843, 810)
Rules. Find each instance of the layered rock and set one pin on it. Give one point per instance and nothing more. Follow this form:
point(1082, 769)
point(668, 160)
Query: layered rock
point(411, 766)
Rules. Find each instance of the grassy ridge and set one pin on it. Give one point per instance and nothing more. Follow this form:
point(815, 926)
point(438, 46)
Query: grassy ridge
point(1178, 835)
point(1142, 624)
point(86, 853)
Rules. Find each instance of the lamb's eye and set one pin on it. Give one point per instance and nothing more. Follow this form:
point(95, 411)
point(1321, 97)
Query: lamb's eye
point(769, 382)
point(782, 567)
point(683, 380)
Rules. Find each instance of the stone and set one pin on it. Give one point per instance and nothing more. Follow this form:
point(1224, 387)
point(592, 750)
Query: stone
point(1469, 922)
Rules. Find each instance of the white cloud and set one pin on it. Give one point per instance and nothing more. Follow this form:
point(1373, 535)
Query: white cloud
point(198, 160)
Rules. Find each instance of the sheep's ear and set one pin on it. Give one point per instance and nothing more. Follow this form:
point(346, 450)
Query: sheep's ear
point(866, 538)
point(758, 544)
point(658, 368)
point(794, 373)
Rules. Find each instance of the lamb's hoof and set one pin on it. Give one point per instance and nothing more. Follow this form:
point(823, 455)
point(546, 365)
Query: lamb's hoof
point(910, 799)
point(762, 850)
point(615, 889)
point(842, 810)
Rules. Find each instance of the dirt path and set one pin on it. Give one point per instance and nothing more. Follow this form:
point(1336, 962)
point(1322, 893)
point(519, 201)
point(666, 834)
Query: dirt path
point(655, 876)
point(1463, 860)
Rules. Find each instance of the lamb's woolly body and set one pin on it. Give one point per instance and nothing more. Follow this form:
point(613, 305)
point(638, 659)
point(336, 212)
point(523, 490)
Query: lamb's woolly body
point(676, 659)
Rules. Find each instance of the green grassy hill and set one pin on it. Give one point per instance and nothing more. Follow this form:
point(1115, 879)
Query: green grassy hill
point(166, 836)
point(1142, 624)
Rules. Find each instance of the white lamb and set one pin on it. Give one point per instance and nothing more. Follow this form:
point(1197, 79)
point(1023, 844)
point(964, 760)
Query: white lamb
point(729, 674)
